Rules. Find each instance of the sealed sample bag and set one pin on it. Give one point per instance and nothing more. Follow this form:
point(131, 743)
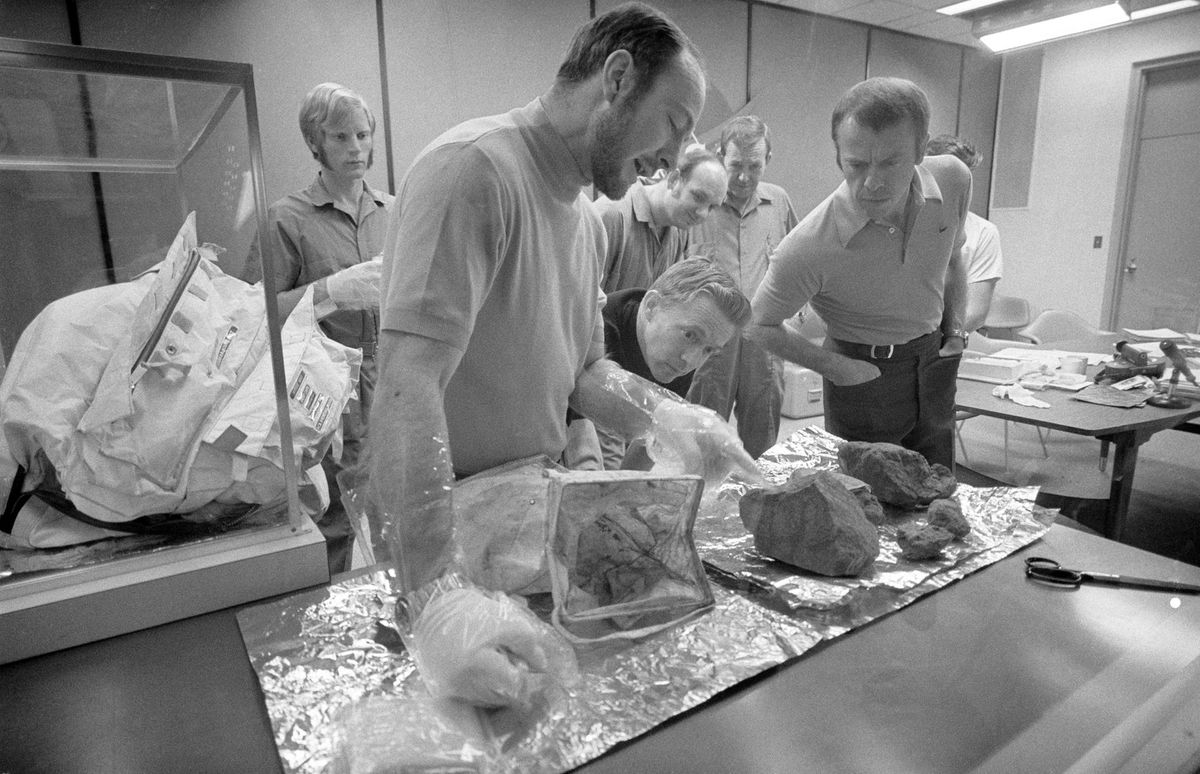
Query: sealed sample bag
point(622, 560)
point(149, 402)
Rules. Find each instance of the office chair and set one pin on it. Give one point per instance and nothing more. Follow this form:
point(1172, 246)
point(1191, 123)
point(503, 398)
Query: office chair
point(1005, 315)
point(1054, 325)
point(980, 346)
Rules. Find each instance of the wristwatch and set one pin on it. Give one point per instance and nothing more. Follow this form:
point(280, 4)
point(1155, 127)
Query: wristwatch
point(960, 333)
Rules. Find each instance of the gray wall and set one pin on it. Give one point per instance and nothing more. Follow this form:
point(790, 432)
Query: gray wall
point(447, 60)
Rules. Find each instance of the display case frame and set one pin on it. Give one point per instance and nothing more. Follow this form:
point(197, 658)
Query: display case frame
point(46, 611)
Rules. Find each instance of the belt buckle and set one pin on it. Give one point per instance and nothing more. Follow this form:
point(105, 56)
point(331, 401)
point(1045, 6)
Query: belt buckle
point(889, 348)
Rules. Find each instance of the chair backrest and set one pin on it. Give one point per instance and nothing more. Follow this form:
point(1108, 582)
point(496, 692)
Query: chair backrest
point(1058, 325)
point(1005, 316)
point(981, 345)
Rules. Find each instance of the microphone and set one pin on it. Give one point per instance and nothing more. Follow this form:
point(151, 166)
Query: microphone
point(1177, 360)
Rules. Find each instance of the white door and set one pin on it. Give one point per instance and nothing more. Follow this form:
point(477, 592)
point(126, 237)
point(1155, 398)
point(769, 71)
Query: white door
point(1159, 282)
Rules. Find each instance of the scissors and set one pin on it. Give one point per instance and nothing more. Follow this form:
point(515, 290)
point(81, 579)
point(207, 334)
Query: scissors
point(1053, 573)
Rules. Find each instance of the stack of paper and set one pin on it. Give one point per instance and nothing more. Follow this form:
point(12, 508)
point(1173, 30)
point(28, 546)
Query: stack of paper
point(1157, 334)
point(993, 369)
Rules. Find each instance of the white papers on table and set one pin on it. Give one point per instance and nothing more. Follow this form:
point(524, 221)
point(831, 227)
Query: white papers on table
point(1157, 334)
point(1049, 357)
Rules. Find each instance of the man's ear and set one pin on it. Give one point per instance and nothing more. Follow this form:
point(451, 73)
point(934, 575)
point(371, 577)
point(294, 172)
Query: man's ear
point(618, 75)
point(650, 302)
point(922, 144)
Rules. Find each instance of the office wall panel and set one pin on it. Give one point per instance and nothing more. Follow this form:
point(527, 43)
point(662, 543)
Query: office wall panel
point(977, 118)
point(35, 20)
point(718, 28)
point(799, 65)
point(450, 60)
point(935, 67)
point(292, 44)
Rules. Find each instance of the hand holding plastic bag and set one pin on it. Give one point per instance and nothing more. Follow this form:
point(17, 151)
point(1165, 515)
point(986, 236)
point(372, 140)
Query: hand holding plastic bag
point(487, 649)
point(356, 287)
point(691, 439)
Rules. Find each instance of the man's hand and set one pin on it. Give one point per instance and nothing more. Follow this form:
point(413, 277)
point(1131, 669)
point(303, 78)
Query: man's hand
point(951, 346)
point(481, 648)
point(691, 439)
point(850, 372)
point(356, 287)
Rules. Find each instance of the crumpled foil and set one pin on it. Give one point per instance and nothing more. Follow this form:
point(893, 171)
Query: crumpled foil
point(343, 695)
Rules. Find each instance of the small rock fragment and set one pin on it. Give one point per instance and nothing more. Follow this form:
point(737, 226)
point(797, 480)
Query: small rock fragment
point(921, 541)
point(947, 514)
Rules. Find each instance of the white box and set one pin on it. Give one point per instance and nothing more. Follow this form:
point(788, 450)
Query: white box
point(801, 392)
point(995, 369)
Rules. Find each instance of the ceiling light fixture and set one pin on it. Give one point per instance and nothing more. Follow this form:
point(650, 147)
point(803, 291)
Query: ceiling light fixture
point(970, 5)
point(1155, 10)
point(1026, 22)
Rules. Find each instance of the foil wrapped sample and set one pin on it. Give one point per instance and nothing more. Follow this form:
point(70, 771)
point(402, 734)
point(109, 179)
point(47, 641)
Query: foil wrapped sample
point(343, 695)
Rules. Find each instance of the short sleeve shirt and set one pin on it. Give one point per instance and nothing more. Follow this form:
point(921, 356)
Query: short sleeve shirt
point(494, 249)
point(741, 242)
point(311, 238)
point(638, 250)
point(870, 282)
point(982, 250)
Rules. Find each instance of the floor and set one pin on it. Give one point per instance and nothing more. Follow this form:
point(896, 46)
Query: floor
point(1164, 509)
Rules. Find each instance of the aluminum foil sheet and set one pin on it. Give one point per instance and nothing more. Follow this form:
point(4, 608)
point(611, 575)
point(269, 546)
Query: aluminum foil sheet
point(344, 696)
point(1002, 519)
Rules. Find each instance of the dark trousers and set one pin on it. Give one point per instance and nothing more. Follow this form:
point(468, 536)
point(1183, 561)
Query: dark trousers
point(335, 522)
point(911, 403)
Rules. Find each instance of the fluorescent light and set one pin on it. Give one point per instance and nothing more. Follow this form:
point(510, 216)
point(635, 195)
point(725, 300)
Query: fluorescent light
point(1178, 5)
point(973, 5)
point(1048, 29)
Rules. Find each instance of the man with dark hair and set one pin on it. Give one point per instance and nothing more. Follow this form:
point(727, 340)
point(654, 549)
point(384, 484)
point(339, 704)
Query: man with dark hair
point(744, 379)
point(881, 261)
point(330, 236)
point(491, 318)
point(665, 332)
point(985, 262)
point(648, 227)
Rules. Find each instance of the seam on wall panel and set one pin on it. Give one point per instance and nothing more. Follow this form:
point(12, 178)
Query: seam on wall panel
point(385, 107)
point(749, 47)
point(867, 59)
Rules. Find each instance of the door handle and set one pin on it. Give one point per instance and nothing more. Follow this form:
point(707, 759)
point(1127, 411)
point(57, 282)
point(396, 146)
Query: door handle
point(1131, 267)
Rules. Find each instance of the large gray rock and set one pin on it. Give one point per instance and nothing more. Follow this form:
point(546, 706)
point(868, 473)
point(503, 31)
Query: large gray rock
point(812, 522)
point(896, 475)
point(861, 491)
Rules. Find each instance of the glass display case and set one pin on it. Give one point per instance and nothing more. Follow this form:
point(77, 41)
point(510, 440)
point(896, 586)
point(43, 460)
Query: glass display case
point(103, 156)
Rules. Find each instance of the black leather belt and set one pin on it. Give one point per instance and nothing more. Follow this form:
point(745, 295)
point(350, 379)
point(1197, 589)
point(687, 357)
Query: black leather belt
point(884, 351)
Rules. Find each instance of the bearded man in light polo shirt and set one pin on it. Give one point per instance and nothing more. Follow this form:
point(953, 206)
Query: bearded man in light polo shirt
point(880, 260)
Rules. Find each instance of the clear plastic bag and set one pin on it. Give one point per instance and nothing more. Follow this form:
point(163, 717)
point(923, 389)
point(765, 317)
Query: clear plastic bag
point(623, 564)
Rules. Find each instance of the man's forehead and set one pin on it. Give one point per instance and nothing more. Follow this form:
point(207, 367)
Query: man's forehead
point(755, 151)
point(355, 118)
